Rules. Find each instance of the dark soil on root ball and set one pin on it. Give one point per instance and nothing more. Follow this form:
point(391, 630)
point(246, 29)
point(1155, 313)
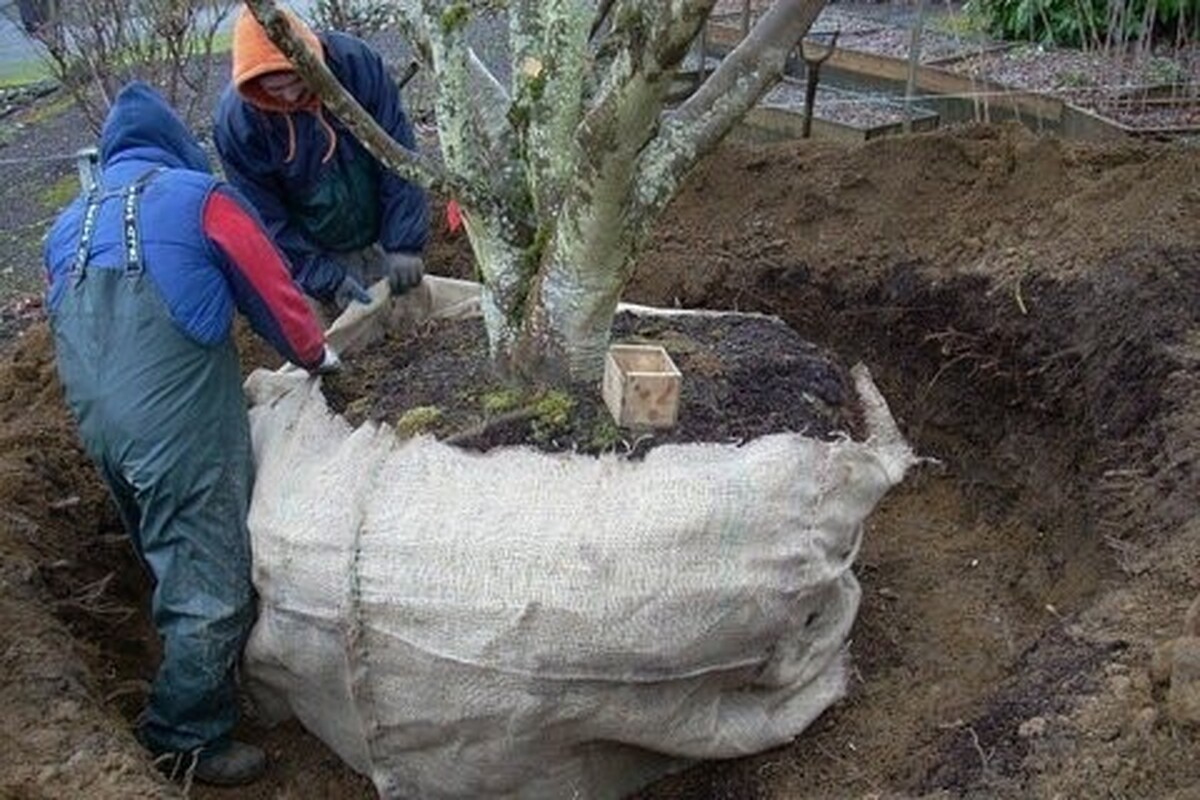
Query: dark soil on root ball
point(743, 376)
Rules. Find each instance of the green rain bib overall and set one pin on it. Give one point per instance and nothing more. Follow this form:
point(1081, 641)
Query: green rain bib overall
point(164, 419)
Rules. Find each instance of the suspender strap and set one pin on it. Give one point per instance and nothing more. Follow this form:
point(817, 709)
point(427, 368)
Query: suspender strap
point(129, 223)
point(129, 227)
point(85, 236)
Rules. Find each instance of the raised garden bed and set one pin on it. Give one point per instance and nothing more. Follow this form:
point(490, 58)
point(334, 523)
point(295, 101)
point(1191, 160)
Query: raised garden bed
point(1077, 94)
point(1155, 93)
point(837, 114)
point(865, 34)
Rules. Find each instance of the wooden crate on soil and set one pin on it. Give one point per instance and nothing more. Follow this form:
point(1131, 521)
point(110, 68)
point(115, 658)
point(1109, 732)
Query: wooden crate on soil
point(641, 386)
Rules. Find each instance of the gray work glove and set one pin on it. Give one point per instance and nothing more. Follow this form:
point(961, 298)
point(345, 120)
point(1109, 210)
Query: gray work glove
point(403, 270)
point(330, 363)
point(350, 289)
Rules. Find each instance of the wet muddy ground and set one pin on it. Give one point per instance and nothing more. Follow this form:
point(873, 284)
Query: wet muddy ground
point(1029, 308)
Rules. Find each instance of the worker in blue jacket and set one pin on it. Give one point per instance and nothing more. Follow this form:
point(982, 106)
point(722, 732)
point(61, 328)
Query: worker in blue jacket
point(145, 272)
point(343, 219)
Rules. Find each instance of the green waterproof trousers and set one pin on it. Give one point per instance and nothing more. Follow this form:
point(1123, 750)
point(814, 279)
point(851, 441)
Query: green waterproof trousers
point(165, 420)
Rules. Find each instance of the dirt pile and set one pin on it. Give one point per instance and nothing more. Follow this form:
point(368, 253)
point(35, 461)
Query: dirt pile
point(993, 202)
point(1031, 309)
point(66, 629)
point(1058, 279)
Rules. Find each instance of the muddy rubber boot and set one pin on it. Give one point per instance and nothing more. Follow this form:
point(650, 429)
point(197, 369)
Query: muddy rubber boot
point(235, 765)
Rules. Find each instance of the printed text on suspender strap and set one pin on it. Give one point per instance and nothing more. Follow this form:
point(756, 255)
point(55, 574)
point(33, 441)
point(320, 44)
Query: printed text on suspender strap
point(85, 236)
point(133, 242)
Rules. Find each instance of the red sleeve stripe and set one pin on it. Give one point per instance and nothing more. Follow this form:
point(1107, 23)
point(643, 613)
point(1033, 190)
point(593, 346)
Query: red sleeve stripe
point(252, 253)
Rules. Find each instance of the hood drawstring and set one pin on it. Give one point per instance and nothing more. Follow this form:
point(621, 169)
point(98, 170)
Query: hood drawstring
point(329, 131)
point(324, 124)
point(291, 151)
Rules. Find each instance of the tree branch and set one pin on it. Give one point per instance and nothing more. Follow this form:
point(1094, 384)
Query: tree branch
point(696, 127)
point(476, 136)
point(549, 81)
point(649, 38)
point(675, 28)
point(451, 59)
point(412, 28)
point(407, 164)
point(601, 16)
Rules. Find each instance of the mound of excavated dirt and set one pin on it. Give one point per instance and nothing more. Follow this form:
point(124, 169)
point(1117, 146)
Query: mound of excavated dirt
point(1030, 309)
point(67, 595)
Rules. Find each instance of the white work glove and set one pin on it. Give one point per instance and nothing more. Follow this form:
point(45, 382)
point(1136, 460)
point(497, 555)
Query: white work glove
point(330, 363)
point(403, 271)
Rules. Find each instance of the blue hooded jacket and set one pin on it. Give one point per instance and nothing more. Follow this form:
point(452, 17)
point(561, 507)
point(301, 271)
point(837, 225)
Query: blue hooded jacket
point(203, 248)
point(317, 188)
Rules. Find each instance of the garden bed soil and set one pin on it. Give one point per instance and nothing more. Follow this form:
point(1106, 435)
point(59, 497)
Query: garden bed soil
point(1031, 310)
point(869, 34)
point(897, 43)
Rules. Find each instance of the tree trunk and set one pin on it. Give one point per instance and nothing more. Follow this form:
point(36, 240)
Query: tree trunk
point(562, 173)
point(565, 332)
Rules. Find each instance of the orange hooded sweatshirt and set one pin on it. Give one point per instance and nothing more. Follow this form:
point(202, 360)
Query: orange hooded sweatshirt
point(255, 55)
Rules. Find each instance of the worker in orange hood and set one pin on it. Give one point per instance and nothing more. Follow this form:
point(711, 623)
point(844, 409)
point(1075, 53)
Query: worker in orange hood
point(341, 217)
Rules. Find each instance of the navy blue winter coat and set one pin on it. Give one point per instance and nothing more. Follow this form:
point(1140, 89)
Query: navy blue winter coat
point(317, 188)
point(205, 251)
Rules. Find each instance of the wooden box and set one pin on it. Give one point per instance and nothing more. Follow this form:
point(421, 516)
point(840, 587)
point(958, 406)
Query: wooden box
point(641, 386)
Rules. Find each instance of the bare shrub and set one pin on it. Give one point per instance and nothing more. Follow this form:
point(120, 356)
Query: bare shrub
point(356, 17)
point(93, 47)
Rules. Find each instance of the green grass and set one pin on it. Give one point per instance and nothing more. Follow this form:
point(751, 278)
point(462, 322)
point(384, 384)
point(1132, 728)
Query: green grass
point(222, 42)
point(500, 401)
point(39, 112)
point(61, 192)
point(43, 111)
point(418, 420)
point(961, 25)
point(552, 415)
point(23, 73)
